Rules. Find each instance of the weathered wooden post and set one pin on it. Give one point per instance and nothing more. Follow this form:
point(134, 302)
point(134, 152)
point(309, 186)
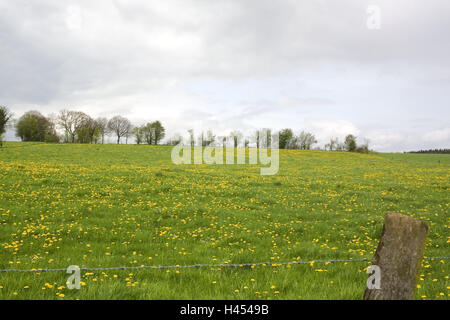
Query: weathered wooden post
point(398, 256)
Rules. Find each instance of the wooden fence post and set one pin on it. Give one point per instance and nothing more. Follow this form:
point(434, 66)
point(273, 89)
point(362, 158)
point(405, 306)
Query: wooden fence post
point(398, 256)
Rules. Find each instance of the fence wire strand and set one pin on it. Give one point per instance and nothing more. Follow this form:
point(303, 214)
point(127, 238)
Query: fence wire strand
point(196, 266)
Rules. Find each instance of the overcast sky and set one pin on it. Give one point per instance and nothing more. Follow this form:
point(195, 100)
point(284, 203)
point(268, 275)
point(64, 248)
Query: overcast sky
point(224, 65)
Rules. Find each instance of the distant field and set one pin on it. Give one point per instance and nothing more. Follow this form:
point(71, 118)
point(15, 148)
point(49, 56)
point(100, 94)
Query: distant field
point(109, 205)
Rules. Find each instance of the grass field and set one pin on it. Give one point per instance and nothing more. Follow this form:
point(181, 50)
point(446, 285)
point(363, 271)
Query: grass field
point(109, 205)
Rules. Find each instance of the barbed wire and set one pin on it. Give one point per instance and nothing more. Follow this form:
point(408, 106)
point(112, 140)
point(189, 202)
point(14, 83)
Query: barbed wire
point(195, 266)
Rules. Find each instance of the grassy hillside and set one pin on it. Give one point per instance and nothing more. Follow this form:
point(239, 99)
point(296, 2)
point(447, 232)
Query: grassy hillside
point(109, 205)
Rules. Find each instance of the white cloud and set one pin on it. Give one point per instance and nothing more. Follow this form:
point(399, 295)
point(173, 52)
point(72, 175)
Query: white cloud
point(326, 129)
point(441, 136)
point(235, 64)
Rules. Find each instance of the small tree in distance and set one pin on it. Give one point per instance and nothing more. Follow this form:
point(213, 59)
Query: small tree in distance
point(119, 126)
point(236, 136)
point(159, 132)
point(88, 132)
point(175, 140)
point(257, 138)
point(102, 125)
point(303, 141)
point(33, 126)
point(285, 137)
point(350, 143)
point(209, 140)
point(5, 116)
point(138, 134)
point(72, 122)
point(191, 137)
point(332, 145)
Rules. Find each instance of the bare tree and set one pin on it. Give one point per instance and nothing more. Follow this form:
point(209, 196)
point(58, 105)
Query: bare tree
point(102, 124)
point(222, 140)
point(72, 122)
point(265, 138)
point(303, 141)
point(366, 143)
point(191, 137)
point(129, 133)
point(208, 140)
point(332, 145)
point(175, 140)
point(53, 119)
point(201, 139)
point(120, 126)
point(236, 136)
point(340, 146)
point(257, 137)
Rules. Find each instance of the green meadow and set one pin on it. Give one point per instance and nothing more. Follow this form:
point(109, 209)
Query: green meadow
point(128, 205)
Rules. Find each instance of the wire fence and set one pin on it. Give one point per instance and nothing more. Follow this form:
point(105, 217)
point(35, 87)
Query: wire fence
point(195, 266)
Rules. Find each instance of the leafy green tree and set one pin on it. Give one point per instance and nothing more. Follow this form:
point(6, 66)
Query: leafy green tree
point(285, 137)
point(27, 128)
point(138, 133)
point(88, 131)
point(83, 135)
point(152, 132)
point(159, 132)
point(350, 143)
point(5, 116)
point(147, 133)
point(33, 126)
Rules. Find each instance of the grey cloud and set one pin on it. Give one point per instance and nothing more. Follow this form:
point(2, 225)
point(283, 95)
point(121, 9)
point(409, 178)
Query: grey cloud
point(300, 60)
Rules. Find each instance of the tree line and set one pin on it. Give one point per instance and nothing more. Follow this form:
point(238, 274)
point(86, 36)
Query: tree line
point(78, 127)
point(306, 140)
point(432, 151)
point(262, 139)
